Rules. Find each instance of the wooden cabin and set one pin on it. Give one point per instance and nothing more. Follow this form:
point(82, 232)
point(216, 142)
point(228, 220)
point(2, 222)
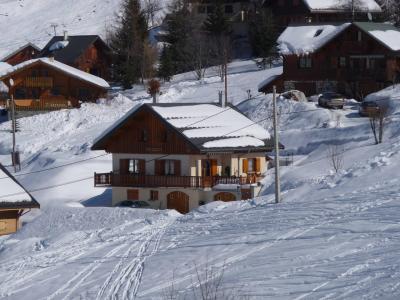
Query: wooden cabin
point(46, 84)
point(354, 59)
point(310, 11)
point(14, 202)
point(88, 53)
point(24, 53)
point(182, 156)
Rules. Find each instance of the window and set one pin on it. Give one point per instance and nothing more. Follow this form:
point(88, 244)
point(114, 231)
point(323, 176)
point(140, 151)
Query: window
point(250, 166)
point(305, 62)
point(144, 135)
point(55, 91)
point(342, 62)
point(34, 73)
point(169, 167)
point(83, 93)
point(20, 93)
point(228, 9)
point(133, 166)
point(318, 32)
point(153, 195)
point(359, 36)
point(371, 63)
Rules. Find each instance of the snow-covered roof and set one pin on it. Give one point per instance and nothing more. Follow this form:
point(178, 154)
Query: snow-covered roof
point(19, 49)
point(4, 66)
point(59, 66)
point(305, 39)
point(386, 34)
point(277, 72)
point(337, 5)
point(12, 193)
point(59, 45)
point(207, 126)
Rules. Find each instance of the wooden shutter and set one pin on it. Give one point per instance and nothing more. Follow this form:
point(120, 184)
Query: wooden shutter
point(177, 167)
point(142, 167)
point(124, 166)
point(245, 165)
point(214, 170)
point(258, 165)
point(159, 167)
point(132, 195)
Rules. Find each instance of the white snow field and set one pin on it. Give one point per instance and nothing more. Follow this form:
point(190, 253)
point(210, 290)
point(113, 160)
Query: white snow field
point(335, 236)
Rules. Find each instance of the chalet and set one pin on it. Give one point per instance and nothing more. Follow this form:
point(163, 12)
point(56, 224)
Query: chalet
point(88, 53)
point(14, 202)
point(24, 53)
point(351, 58)
point(44, 83)
point(182, 156)
point(317, 11)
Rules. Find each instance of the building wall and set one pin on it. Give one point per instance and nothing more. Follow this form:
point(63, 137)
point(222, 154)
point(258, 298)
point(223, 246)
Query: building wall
point(23, 55)
point(9, 221)
point(95, 61)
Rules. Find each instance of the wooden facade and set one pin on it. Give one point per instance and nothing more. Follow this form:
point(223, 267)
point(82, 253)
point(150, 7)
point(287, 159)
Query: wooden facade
point(9, 221)
point(296, 11)
point(353, 63)
point(39, 86)
point(25, 53)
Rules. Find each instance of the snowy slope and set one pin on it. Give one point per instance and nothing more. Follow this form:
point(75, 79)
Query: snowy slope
point(335, 236)
point(26, 21)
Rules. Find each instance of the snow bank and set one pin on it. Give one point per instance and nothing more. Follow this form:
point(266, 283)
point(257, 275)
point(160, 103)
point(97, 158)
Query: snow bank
point(337, 5)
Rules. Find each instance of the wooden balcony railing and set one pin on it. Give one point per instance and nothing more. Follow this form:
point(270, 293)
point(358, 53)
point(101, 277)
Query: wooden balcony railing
point(111, 179)
point(38, 82)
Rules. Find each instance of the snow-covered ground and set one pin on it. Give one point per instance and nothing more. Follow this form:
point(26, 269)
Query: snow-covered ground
point(335, 236)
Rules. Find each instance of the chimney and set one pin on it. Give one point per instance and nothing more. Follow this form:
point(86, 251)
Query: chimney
point(221, 100)
point(65, 35)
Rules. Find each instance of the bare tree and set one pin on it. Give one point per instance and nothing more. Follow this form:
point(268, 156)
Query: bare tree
point(336, 157)
point(150, 9)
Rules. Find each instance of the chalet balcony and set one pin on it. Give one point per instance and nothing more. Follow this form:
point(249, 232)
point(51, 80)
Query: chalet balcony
point(153, 181)
point(38, 82)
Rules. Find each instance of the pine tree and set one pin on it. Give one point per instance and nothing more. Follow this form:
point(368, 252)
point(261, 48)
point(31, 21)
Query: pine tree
point(263, 33)
point(127, 44)
point(216, 23)
point(166, 67)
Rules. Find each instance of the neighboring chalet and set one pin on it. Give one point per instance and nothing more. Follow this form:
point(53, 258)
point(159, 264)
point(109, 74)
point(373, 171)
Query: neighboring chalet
point(315, 11)
point(14, 202)
point(351, 58)
point(183, 156)
point(44, 83)
point(24, 53)
point(88, 53)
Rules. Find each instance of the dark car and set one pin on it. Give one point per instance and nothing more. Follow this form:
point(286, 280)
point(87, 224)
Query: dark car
point(331, 100)
point(368, 108)
point(134, 204)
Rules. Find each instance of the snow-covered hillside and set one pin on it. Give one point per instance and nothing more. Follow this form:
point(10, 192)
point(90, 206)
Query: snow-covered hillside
point(335, 236)
point(23, 21)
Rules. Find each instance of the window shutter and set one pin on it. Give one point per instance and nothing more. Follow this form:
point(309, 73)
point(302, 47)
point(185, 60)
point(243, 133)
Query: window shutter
point(177, 167)
point(132, 195)
point(258, 165)
point(142, 167)
point(245, 166)
point(214, 170)
point(124, 166)
point(159, 167)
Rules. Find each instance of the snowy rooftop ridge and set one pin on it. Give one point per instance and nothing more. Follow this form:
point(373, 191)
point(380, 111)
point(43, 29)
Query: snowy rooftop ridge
point(59, 66)
point(306, 39)
point(338, 5)
point(12, 193)
point(205, 125)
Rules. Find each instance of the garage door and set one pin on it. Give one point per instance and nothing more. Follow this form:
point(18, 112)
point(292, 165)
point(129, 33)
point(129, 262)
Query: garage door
point(178, 201)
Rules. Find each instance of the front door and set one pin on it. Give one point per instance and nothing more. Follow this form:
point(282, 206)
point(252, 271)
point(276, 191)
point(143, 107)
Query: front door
point(209, 170)
point(178, 201)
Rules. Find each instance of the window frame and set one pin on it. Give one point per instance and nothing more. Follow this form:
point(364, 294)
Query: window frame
point(134, 164)
point(305, 62)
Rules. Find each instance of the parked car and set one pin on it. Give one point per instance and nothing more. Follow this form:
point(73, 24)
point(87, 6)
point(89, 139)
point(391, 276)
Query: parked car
point(134, 204)
point(331, 100)
point(294, 95)
point(368, 108)
point(3, 111)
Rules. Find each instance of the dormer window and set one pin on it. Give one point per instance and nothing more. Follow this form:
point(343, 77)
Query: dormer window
point(318, 32)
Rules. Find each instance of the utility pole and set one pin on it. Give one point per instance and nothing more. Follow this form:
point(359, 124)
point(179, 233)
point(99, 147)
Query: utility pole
point(276, 142)
point(226, 73)
point(13, 126)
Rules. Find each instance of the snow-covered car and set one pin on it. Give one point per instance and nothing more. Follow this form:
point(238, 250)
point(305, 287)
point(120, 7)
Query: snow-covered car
point(331, 100)
point(368, 108)
point(294, 95)
point(134, 204)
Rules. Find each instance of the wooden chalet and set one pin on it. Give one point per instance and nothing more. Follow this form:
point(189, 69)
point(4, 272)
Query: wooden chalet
point(14, 202)
point(182, 156)
point(24, 53)
point(88, 53)
point(354, 59)
point(46, 84)
point(310, 11)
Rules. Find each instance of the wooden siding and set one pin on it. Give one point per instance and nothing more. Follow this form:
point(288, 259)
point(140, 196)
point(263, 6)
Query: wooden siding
point(147, 133)
point(9, 221)
point(24, 54)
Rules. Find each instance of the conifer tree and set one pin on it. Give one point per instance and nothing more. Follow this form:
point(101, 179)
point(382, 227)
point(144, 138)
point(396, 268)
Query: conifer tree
point(166, 67)
point(127, 44)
